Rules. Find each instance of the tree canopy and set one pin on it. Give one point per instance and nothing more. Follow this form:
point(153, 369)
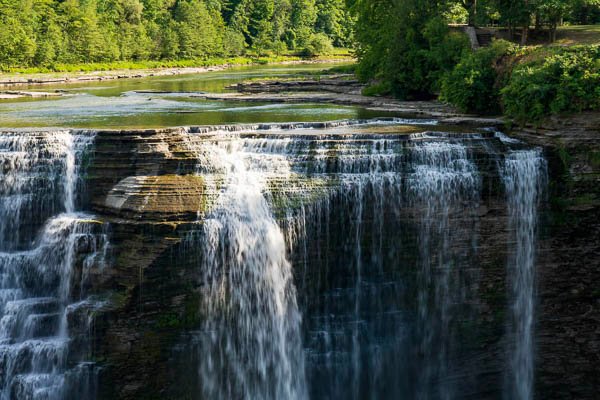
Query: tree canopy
point(407, 45)
point(42, 32)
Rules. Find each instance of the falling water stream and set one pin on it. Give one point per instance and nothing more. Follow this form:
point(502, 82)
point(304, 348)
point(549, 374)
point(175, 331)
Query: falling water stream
point(524, 175)
point(251, 336)
point(333, 263)
point(42, 237)
point(374, 240)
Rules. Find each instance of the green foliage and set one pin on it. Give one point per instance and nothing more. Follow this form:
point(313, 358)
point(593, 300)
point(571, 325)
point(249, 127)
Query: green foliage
point(407, 49)
point(234, 43)
point(567, 80)
point(342, 69)
point(318, 44)
point(406, 43)
point(528, 84)
point(473, 85)
point(585, 12)
point(445, 49)
point(44, 33)
point(377, 89)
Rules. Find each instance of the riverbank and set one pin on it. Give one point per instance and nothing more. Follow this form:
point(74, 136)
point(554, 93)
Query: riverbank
point(343, 89)
point(101, 72)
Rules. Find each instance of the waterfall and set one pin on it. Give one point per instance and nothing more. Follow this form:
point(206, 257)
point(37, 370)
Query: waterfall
point(41, 240)
point(523, 174)
point(355, 185)
point(250, 340)
point(40, 178)
point(442, 181)
point(375, 240)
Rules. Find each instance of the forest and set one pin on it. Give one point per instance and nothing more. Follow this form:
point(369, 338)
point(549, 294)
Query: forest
point(43, 32)
point(411, 49)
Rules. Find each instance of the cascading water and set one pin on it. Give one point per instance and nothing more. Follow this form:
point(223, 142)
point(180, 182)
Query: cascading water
point(444, 180)
point(41, 239)
point(39, 179)
point(250, 340)
point(382, 234)
point(523, 174)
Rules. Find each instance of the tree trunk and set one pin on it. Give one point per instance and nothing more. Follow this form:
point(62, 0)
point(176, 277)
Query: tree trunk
point(527, 22)
point(538, 21)
point(524, 35)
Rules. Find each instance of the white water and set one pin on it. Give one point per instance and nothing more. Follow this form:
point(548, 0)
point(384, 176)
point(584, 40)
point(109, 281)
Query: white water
point(366, 176)
point(444, 180)
point(363, 338)
point(250, 339)
point(41, 239)
point(39, 178)
point(523, 174)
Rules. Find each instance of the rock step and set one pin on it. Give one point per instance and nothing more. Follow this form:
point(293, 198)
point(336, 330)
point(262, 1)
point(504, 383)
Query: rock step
point(33, 356)
point(36, 386)
point(29, 318)
point(31, 305)
point(9, 294)
point(40, 325)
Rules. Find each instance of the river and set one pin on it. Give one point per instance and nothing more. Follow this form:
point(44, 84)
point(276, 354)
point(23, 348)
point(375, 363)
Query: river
point(117, 103)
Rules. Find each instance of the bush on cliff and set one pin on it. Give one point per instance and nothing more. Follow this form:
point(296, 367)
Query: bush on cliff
point(474, 84)
point(565, 80)
point(525, 83)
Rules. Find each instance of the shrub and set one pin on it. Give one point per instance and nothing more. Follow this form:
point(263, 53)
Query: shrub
point(474, 84)
point(318, 44)
point(342, 69)
point(234, 43)
point(377, 89)
point(566, 81)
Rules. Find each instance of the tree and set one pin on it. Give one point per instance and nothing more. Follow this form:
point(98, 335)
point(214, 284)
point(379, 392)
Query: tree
point(17, 40)
point(199, 30)
point(406, 45)
point(44, 32)
point(585, 12)
point(335, 21)
point(553, 11)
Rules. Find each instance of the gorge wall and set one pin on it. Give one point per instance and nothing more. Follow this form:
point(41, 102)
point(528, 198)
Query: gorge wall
point(393, 264)
point(569, 262)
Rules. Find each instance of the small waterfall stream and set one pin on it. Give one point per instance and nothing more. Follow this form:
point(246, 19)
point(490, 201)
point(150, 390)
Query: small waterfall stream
point(443, 181)
point(524, 175)
point(250, 340)
point(41, 240)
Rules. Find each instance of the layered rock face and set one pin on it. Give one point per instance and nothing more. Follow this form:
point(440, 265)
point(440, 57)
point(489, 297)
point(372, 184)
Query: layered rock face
point(569, 258)
point(429, 208)
point(402, 253)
